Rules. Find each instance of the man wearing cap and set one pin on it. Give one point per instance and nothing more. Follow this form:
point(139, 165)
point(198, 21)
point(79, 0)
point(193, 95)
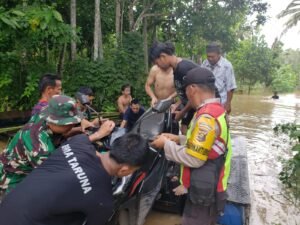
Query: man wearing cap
point(36, 140)
point(88, 92)
point(223, 72)
point(202, 151)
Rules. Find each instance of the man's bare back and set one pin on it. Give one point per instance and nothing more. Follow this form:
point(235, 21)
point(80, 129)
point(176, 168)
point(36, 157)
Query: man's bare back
point(163, 83)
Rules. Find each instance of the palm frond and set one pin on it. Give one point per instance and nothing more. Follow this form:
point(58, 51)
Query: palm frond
point(293, 21)
point(294, 6)
point(292, 10)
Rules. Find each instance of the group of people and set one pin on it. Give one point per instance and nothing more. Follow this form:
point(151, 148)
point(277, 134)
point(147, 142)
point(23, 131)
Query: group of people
point(66, 181)
point(204, 147)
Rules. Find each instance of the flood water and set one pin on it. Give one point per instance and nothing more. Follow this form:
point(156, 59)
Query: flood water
point(253, 117)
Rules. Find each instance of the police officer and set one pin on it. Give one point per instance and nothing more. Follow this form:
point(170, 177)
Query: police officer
point(203, 150)
point(37, 140)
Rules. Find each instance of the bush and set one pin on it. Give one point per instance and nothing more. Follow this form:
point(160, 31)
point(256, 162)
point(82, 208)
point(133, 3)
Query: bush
point(121, 65)
point(290, 174)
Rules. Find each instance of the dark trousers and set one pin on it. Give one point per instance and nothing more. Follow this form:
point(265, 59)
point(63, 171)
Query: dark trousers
point(198, 215)
point(1, 195)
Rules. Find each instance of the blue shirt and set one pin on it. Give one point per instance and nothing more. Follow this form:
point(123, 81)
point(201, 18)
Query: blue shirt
point(132, 117)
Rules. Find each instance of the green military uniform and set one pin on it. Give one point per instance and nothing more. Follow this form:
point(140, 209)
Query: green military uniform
point(34, 142)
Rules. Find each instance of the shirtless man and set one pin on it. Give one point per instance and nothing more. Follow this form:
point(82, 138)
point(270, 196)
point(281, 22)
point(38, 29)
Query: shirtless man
point(124, 100)
point(163, 84)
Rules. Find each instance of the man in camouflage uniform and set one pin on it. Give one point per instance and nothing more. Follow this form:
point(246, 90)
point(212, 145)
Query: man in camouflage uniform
point(36, 140)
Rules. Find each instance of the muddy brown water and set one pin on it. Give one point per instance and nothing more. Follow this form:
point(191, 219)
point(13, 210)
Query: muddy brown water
point(253, 117)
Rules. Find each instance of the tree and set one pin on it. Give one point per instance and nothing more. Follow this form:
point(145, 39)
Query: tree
point(285, 79)
point(98, 45)
point(292, 10)
point(118, 18)
point(73, 25)
point(253, 62)
point(30, 39)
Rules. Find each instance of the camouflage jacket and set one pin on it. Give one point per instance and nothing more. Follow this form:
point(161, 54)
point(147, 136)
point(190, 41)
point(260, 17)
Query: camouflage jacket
point(28, 149)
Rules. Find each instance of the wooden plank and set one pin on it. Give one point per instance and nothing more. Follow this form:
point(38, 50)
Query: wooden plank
point(10, 129)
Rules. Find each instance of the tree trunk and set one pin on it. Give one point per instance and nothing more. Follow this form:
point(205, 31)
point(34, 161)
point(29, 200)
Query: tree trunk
point(60, 64)
point(100, 36)
point(130, 14)
point(145, 40)
point(96, 30)
point(47, 51)
point(73, 25)
point(118, 19)
point(24, 3)
point(122, 20)
point(98, 46)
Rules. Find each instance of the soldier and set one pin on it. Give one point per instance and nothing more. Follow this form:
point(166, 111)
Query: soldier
point(36, 140)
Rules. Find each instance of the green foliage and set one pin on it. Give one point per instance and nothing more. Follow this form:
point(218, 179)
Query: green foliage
point(290, 174)
point(33, 34)
point(285, 79)
point(292, 57)
point(253, 62)
point(122, 65)
point(28, 36)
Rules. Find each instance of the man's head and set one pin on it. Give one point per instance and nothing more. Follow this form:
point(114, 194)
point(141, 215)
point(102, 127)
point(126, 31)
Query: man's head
point(199, 84)
point(162, 54)
point(87, 91)
point(135, 105)
point(49, 85)
point(213, 53)
point(130, 152)
point(126, 89)
point(61, 114)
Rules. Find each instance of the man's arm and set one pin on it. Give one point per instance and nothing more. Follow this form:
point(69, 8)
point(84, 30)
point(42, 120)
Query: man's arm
point(123, 123)
point(150, 81)
point(182, 112)
point(105, 129)
point(39, 150)
point(195, 152)
point(228, 101)
point(230, 87)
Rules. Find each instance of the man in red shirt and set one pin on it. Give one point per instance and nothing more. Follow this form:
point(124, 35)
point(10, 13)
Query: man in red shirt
point(49, 85)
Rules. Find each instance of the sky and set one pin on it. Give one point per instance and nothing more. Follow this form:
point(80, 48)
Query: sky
point(274, 26)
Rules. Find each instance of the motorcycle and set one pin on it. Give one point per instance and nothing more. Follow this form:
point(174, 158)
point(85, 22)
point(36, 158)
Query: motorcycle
point(136, 194)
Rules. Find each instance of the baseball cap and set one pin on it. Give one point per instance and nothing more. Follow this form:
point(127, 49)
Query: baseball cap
point(198, 75)
point(86, 91)
point(62, 110)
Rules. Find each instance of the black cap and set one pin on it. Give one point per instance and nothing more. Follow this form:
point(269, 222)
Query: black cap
point(86, 91)
point(198, 75)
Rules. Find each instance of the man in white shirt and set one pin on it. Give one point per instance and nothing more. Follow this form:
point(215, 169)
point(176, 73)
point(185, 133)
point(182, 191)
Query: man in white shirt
point(223, 72)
